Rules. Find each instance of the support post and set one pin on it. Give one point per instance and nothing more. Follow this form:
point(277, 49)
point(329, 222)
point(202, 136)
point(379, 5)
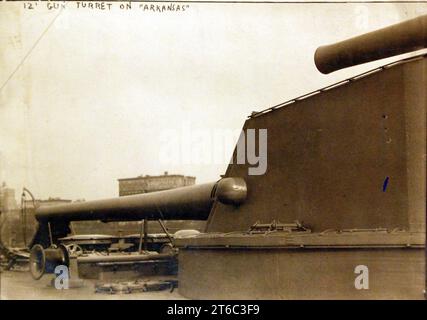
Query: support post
point(145, 234)
point(141, 234)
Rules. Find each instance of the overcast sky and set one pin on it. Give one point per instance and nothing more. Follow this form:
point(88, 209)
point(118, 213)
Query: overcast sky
point(92, 100)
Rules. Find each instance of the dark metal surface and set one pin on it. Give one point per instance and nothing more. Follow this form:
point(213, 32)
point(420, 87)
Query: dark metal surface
point(269, 273)
point(328, 156)
point(397, 39)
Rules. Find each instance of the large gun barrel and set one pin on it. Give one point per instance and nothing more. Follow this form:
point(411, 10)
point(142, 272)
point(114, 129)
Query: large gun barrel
point(397, 39)
point(186, 203)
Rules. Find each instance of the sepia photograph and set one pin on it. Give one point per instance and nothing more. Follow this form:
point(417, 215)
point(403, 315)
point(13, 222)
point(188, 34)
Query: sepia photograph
point(213, 150)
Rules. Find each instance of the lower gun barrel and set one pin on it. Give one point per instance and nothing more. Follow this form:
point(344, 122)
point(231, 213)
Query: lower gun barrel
point(186, 203)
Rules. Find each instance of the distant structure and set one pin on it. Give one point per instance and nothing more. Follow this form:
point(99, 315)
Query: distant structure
point(147, 183)
point(47, 202)
point(7, 198)
point(9, 216)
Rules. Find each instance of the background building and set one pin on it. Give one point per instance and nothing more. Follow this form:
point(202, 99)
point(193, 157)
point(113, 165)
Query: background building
point(9, 216)
point(7, 198)
point(138, 185)
point(147, 183)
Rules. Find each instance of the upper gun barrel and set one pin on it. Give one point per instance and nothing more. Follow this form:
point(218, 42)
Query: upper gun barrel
point(397, 39)
point(191, 203)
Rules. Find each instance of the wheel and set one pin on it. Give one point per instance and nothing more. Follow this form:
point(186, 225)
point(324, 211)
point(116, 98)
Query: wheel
point(37, 261)
point(74, 249)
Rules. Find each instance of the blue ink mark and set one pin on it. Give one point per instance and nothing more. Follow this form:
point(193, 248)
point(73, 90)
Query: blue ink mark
point(385, 184)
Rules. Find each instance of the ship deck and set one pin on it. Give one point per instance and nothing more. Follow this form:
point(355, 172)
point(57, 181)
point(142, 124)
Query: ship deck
point(20, 285)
